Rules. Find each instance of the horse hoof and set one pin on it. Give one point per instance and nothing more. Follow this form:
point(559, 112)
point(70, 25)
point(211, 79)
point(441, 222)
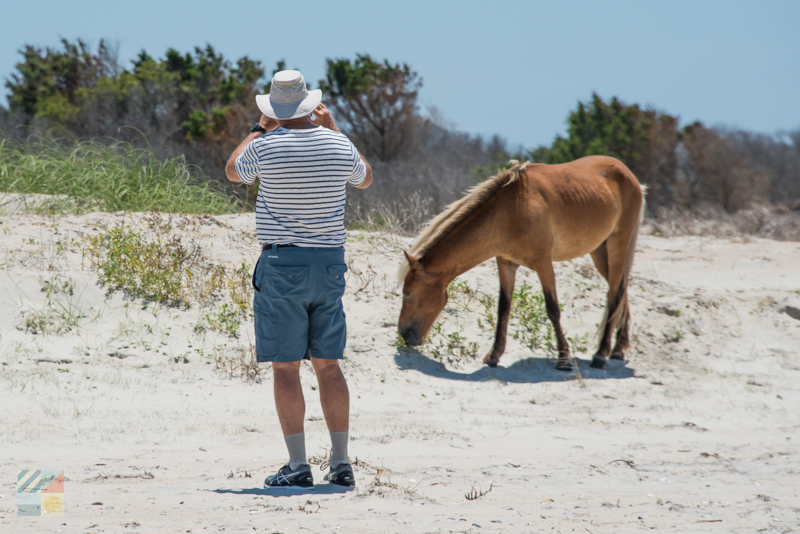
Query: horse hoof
point(597, 363)
point(491, 363)
point(618, 355)
point(564, 365)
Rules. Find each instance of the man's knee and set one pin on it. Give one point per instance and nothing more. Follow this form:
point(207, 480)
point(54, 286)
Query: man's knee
point(322, 363)
point(286, 367)
point(325, 366)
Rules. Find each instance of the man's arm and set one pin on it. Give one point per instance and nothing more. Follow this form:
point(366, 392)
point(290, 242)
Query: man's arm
point(325, 119)
point(230, 168)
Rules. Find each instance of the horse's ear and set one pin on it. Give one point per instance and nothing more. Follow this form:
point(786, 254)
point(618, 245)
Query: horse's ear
point(413, 263)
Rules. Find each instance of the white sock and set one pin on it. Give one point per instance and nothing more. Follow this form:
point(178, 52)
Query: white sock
point(339, 449)
point(296, 443)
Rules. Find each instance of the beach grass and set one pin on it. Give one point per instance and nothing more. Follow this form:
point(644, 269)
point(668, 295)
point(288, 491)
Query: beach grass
point(89, 175)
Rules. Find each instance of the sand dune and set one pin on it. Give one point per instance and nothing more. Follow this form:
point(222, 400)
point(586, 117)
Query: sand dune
point(696, 432)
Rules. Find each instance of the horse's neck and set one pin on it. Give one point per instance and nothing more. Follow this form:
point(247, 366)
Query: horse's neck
point(462, 249)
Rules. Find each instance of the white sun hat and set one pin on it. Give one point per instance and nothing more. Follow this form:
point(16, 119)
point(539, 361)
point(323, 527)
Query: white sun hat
point(288, 97)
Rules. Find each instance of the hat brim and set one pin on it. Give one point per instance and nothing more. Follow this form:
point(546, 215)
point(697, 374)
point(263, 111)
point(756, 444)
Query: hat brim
point(294, 110)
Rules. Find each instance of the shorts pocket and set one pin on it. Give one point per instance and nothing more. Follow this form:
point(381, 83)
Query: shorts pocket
point(253, 278)
point(288, 281)
point(266, 328)
point(336, 271)
point(335, 279)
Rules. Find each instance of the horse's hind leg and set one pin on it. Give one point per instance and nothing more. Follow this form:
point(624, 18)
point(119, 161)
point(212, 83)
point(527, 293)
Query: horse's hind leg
point(507, 271)
point(614, 253)
point(600, 259)
point(548, 279)
point(623, 341)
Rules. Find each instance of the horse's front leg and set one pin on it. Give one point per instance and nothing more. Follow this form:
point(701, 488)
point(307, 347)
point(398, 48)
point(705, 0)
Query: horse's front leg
point(548, 278)
point(508, 272)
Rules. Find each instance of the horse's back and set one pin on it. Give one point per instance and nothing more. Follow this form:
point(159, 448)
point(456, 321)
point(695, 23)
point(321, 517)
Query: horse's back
point(581, 202)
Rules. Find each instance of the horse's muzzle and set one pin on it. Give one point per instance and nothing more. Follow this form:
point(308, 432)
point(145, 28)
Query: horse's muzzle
point(410, 336)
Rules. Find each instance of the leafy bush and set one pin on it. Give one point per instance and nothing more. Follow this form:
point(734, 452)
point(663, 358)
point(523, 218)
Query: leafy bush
point(529, 310)
point(155, 270)
point(165, 270)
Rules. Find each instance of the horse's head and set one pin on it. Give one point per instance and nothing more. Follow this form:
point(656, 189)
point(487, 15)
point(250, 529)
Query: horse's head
point(424, 297)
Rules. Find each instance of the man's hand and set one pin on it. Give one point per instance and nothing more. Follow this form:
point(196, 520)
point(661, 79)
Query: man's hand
point(324, 118)
point(267, 123)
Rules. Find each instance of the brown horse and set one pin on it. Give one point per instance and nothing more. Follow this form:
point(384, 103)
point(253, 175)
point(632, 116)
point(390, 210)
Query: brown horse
point(531, 215)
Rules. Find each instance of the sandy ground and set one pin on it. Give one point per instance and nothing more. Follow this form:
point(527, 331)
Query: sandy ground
point(696, 432)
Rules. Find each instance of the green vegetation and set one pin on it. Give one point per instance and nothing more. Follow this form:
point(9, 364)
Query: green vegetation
point(59, 315)
point(460, 294)
point(534, 327)
point(72, 84)
point(200, 104)
point(453, 347)
point(377, 103)
point(96, 176)
point(164, 270)
point(153, 270)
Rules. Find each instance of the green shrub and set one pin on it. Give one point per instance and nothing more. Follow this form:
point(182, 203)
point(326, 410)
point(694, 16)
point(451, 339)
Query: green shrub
point(163, 269)
point(155, 270)
point(529, 310)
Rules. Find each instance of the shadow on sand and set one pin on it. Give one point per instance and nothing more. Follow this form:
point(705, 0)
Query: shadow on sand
point(319, 489)
point(526, 371)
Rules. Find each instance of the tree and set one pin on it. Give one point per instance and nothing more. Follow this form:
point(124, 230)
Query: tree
point(378, 104)
point(645, 140)
point(49, 82)
point(718, 172)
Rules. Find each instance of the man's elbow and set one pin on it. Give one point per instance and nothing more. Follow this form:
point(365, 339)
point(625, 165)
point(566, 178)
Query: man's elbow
point(230, 172)
point(367, 180)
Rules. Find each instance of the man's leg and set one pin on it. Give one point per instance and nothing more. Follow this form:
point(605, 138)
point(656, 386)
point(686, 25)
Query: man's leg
point(333, 394)
point(335, 400)
point(291, 408)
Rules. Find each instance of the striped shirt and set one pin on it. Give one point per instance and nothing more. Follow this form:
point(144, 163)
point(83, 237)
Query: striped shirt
point(302, 191)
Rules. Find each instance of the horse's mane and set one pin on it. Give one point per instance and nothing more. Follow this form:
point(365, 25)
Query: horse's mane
point(458, 212)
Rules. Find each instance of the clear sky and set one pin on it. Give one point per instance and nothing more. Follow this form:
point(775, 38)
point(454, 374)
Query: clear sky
point(513, 68)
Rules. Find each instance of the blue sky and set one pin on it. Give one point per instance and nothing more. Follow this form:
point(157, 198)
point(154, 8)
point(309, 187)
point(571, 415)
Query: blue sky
point(512, 68)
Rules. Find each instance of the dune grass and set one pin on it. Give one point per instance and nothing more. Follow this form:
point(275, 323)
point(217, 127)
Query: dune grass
point(88, 175)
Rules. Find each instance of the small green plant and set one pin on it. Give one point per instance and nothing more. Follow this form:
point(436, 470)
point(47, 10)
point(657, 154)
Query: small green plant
point(460, 294)
point(59, 315)
point(225, 320)
point(58, 285)
point(489, 312)
point(529, 310)
point(401, 344)
point(58, 320)
point(452, 347)
point(578, 343)
point(459, 348)
point(676, 336)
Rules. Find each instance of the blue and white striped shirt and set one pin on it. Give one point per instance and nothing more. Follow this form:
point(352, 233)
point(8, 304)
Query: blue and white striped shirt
point(302, 191)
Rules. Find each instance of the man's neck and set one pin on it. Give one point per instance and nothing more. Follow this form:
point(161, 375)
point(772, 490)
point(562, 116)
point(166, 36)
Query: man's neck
point(300, 123)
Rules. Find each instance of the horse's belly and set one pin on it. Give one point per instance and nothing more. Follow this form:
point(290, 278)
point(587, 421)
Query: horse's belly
point(579, 235)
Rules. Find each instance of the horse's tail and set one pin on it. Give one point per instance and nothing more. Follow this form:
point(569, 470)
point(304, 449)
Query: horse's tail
point(621, 312)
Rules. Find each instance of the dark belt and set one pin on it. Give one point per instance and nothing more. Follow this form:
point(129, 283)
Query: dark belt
point(266, 246)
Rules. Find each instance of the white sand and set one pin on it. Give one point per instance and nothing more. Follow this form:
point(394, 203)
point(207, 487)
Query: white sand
point(697, 432)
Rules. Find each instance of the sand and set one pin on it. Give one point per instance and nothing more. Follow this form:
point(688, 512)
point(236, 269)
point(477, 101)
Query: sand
point(696, 432)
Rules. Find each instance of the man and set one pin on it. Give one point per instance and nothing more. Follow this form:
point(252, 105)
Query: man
point(303, 165)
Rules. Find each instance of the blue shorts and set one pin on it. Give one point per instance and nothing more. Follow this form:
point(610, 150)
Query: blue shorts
point(298, 304)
